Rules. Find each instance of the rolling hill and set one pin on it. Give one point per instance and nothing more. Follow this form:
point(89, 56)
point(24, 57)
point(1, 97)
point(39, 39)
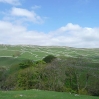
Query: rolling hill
point(12, 55)
point(39, 52)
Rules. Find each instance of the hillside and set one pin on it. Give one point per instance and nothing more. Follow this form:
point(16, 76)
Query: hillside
point(39, 52)
point(75, 70)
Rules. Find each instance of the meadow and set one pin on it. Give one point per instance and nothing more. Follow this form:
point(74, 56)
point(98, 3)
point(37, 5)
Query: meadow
point(39, 52)
point(38, 94)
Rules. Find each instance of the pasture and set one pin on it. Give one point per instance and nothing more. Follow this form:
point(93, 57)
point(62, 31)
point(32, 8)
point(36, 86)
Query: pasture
point(39, 52)
point(38, 94)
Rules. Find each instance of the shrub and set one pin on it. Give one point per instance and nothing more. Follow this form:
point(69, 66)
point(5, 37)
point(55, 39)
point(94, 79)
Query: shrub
point(49, 58)
point(83, 92)
point(26, 64)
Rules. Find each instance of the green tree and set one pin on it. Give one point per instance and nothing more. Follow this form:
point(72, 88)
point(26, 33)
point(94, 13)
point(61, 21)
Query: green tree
point(49, 58)
point(28, 78)
point(25, 64)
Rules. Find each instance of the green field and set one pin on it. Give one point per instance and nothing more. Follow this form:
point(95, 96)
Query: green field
point(38, 94)
point(38, 52)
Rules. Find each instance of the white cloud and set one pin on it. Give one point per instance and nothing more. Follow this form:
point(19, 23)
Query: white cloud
point(22, 12)
point(20, 15)
point(12, 2)
point(14, 34)
point(70, 26)
point(26, 15)
point(69, 35)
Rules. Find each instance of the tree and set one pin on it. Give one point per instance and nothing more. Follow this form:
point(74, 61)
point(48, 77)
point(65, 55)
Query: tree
point(25, 64)
point(49, 58)
point(27, 79)
point(2, 76)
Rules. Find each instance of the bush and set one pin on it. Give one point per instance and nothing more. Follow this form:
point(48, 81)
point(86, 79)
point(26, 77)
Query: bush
point(26, 64)
point(94, 91)
point(26, 79)
point(83, 92)
point(49, 58)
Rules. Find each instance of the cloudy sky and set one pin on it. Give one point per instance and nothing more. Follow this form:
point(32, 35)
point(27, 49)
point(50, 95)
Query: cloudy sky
point(73, 23)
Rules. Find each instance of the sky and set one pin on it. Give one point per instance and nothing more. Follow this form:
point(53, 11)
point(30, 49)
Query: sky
point(72, 23)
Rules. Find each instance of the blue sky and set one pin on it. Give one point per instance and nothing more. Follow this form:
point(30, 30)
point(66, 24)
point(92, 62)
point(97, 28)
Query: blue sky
point(73, 23)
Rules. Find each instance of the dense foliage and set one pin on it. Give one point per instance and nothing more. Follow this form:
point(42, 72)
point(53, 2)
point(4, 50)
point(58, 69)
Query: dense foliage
point(75, 75)
point(49, 58)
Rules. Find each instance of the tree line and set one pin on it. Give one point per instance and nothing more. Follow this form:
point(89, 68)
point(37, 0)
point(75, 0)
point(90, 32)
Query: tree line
point(63, 74)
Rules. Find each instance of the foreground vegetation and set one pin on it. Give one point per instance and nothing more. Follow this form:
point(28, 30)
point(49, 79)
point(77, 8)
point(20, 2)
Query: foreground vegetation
point(76, 74)
point(38, 94)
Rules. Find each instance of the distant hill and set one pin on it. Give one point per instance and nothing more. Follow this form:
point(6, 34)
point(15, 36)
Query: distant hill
point(38, 52)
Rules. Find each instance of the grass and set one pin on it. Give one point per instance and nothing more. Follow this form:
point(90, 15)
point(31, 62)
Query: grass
point(9, 61)
point(38, 94)
point(38, 52)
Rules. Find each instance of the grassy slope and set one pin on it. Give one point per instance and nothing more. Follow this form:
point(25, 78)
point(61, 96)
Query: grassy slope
point(37, 94)
point(9, 61)
point(38, 52)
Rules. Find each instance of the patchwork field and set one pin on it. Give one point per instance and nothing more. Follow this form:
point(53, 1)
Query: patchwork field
point(38, 52)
